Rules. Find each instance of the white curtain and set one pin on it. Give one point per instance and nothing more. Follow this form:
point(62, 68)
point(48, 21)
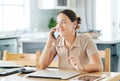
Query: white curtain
point(86, 10)
point(119, 15)
point(115, 18)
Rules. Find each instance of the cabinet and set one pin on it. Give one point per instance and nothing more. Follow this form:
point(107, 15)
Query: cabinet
point(115, 52)
point(31, 47)
point(111, 46)
point(8, 44)
point(115, 48)
point(53, 4)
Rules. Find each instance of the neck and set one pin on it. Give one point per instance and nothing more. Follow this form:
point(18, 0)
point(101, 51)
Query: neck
point(69, 40)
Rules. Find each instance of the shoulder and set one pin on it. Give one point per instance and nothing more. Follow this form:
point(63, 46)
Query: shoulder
point(84, 36)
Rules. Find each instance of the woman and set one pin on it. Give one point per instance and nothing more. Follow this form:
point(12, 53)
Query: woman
point(74, 51)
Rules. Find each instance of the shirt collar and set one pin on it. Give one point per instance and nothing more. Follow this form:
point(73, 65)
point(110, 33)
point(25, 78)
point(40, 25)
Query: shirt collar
point(76, 43)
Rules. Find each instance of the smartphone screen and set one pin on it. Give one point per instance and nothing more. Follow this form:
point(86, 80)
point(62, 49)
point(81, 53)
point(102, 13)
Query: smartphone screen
point(55, 34)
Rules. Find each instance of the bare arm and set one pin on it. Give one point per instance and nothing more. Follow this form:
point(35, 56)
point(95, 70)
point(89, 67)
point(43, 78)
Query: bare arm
point(48, 52)
point(96, 63)
point(47, 56)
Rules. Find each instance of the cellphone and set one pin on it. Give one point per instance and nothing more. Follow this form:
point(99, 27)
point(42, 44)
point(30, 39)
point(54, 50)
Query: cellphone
point(55, 34)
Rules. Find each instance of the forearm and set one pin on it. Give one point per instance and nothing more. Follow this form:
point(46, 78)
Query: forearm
point(92, 67)
point(46, 57)
point(96, 63)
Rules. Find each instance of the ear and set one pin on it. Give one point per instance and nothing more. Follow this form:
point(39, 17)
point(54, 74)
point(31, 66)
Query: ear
point(74, 24)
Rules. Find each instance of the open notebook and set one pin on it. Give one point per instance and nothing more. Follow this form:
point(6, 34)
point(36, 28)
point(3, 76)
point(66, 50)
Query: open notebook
point(54, 73)
point(8, 64)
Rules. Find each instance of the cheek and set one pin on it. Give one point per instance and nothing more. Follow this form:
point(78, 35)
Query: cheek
point(68, 29)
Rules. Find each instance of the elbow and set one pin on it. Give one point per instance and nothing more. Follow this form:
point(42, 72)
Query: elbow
point(100, 68)
point(42, 65)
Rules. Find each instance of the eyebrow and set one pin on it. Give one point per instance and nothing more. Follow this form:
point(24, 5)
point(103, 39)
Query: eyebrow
point(62, 20)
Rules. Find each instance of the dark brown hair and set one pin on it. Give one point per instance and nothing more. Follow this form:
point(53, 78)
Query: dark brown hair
point(72, 16)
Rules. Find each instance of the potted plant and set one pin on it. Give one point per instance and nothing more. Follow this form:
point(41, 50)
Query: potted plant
point(52, 23)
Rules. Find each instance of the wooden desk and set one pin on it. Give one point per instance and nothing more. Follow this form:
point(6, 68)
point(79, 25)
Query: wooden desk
point(111, 76)
point(32, 63)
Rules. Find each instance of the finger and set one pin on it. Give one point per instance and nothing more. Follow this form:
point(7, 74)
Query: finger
point(75, 66)
point(71, 57)
point(53, 30)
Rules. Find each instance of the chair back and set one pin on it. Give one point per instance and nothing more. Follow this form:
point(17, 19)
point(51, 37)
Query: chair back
point(106, 55)
point(25, 59)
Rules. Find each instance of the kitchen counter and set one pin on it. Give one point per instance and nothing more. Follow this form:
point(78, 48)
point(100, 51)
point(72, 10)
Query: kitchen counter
point(9, 43)
point(33, 40)
point(34, 37)
point(100, 40)
point(43, 36)
point(8, 37)
point(97, 41)
point(107, 39)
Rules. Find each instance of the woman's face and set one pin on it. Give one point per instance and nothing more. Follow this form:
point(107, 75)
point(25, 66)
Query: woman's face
point(64, 25)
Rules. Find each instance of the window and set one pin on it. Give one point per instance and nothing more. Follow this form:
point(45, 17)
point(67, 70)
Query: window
point(14, 14)
point(103, 16)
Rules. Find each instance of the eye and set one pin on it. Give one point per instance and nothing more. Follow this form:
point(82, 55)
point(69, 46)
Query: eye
point(63, 22)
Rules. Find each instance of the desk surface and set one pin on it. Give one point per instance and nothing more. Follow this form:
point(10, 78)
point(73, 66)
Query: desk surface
point(110, 76)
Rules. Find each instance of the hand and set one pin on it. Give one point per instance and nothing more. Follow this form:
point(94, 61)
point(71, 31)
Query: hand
point(75, 62)
point(51, 37)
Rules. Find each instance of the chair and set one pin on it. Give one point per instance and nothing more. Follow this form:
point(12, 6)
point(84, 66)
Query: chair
point(24, 59)
point(106, 55)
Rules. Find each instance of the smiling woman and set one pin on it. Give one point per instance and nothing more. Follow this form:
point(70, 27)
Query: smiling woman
point(14, 14)
point(74, 51)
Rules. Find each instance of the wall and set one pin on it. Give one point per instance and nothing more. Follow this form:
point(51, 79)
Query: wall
point(84, 8)
point(39, 19)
